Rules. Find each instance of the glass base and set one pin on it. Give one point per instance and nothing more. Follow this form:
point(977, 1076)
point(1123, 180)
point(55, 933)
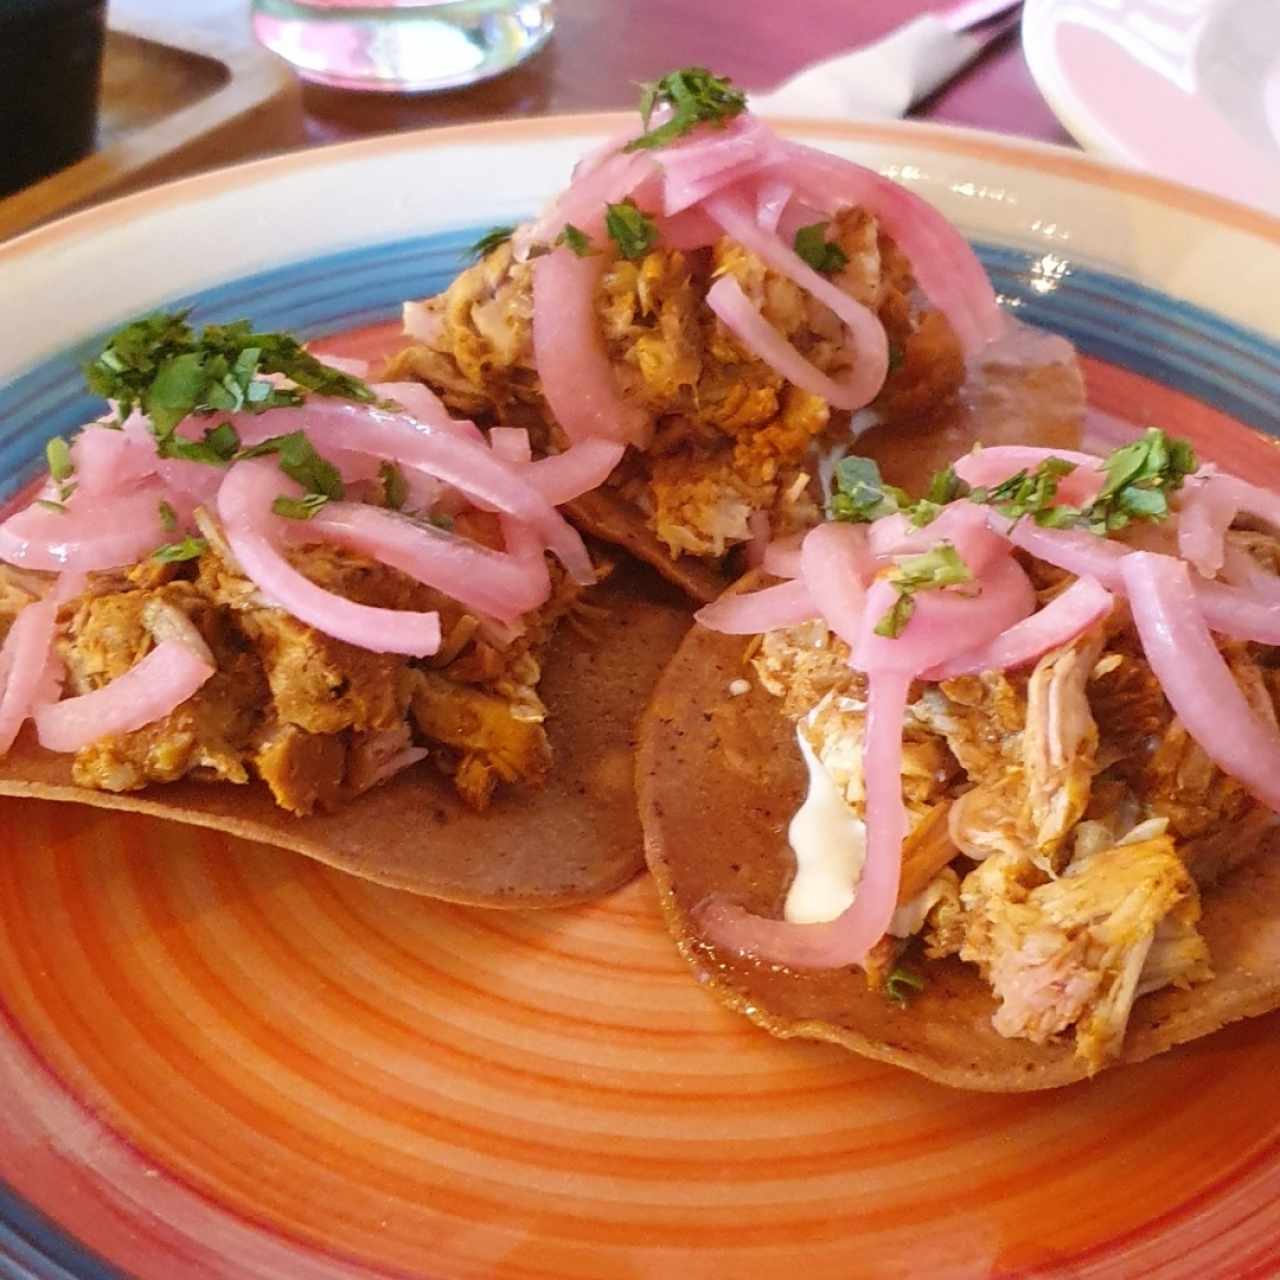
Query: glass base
point(402, 46)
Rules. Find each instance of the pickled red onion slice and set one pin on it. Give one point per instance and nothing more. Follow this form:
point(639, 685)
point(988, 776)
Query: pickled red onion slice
point(1078, 552)
point(944, 623)
point(1240, 569)
point(110, 460)
point(476, 576)
point(761, 339)
point(1231, 611)
point(522, 543)
point(963, 524)
point(147, 692)
point(464, 464)
point(423, 405)
point(785, 605)
point(772, 197)
point(24, 658)
point(244, 503)
point(1204, 516)
point(942, 261)
point(1082, 604)
point(583, 466)
point(836, 565)
point(709, 159)
point(583, 203)
point(869, 347)
point(1252, 498)
point(577, 375)
point(691, 229)
point(992, 464)
point(1195, 678)
point(196, 480)
point(846, 939)
point(93, 532)
point(782, 557)
point(683, 193)
point(511, 443)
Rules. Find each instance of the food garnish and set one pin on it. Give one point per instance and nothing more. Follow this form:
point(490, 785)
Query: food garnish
point(902, 984)
point(395, 488)
point(634, 232)
point(492, 239)
point(58, 455)
point(159, 366)
point(940, 566)
point(821, 254)
point(695, 97)
point(1140, 478)
point(1000, 623)
point(189, 548)
point(1030, 493)
point(300, 461)
point(859, 494)
point(576, 241)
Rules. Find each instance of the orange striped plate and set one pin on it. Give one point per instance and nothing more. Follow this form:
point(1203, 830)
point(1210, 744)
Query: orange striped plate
point(221, 1060)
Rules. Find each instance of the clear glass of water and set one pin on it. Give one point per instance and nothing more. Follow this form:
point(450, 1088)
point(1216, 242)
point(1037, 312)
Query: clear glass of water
point(402, 46)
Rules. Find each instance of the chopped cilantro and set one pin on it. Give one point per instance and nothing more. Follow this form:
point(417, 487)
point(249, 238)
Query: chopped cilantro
point(631, 230)
point(902, 984)
point(858, 493)
point(218, 446)
point(395, 488)
point(299, 508)
point(58, 454)
point(1028, 493)
point(578, 241)
point(896, 356)
point(944, 487)
point(488, 242)
point(300, 462)
point(821, 254)
point(168, 517)
point(187, 549)
point(1140, 477)
point(160, 366)
point(940, 566)
point(50, 505)
point(695, 97)
point(440, 521)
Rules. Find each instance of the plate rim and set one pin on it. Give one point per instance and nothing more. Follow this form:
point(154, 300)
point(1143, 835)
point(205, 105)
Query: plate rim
point(1027, 153)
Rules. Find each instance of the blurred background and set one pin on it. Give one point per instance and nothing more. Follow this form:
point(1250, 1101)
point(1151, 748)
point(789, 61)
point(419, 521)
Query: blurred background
point(100, 98)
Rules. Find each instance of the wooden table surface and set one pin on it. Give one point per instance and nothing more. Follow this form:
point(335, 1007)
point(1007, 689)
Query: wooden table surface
point(601, 47)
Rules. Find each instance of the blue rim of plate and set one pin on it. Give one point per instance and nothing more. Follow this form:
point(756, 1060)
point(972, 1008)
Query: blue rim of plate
point(1175, 343)
point(1178, 344)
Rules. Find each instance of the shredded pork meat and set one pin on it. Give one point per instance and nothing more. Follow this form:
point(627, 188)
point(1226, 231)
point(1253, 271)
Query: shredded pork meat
point(729, 436)
point(1062, 820)
point(315, 719)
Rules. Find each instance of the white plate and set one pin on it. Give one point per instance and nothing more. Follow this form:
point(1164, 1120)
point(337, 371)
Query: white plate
point(1189, 89)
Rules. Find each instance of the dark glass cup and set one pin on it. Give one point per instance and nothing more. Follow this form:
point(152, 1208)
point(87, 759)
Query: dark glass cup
point(50, 75)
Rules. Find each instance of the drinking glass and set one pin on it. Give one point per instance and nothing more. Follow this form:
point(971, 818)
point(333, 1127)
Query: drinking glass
point(402, 46)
